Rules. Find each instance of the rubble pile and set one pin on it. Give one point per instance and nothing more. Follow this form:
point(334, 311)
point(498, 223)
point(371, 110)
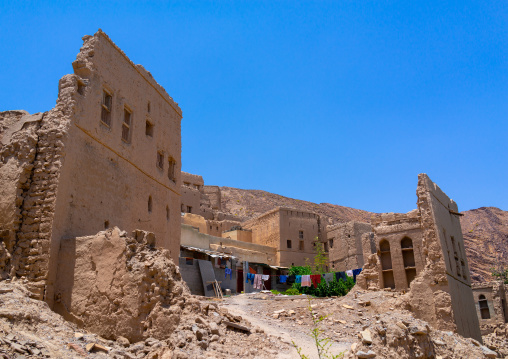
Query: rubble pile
point(497, 340)
point(127, 301)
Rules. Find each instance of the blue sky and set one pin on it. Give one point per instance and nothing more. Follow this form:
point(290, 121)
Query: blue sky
point(342, 102)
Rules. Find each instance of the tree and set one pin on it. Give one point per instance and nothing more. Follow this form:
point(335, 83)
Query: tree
point(321, 259)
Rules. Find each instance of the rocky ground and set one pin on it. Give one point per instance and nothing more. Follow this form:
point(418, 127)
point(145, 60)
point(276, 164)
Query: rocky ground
point(29, 329)
point(360, 325)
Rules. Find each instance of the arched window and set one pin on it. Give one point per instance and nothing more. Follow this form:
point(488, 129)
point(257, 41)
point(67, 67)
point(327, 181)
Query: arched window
point(484, 307)
point(408, 257)
point(386, 264)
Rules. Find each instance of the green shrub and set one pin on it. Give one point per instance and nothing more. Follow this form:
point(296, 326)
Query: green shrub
point(292, 291)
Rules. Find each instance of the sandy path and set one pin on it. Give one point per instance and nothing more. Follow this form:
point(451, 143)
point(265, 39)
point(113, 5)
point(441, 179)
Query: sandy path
point(246, 307)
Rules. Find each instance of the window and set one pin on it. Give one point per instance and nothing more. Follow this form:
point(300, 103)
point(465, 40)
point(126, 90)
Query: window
point(107, 101)
point(189, 209)
point(326, 247)
point(81, 87)
point(150, 204)
point(331, 242)
point(160, 160)
point(300, 234)
point(126, 125)
point(301, 245)
point(171, 169)
point(148, 107)
point(484, 307)
point(167, 213)
point(149, 129)
point(288, 243)
point(181, 208)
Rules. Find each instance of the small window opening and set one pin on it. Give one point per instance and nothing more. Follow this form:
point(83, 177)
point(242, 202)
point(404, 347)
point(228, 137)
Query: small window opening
point(107, 101)
point(149, 128)
point(484, 307)
point(171, 169)
point(288, 243)
point(189, 209)
point(331, 243)
point(126, 125)
point(150, 204)
point(160, 160)
point(300, 234)
point(148, 107)
point(167, 213)
point(106, 224)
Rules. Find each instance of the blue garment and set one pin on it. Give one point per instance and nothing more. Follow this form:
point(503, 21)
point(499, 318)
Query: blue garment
point(298, 279)
point(251, 277)
point(283, 278)
point(356, 272)
point(341, 275)
point(228, 271)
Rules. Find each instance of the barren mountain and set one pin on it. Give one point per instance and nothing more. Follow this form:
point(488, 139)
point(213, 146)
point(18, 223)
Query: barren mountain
point(485, 229)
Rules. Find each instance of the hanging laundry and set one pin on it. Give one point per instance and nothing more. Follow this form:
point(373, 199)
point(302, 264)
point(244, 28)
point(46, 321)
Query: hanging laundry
point(291, 279)
point(298, 279)
point(356, 272)
point(250, 277)
point(228, 271)
point(252, 271)
point(265, 277)
point(341, 275)
point(349, 273)
point(328, 277)
point(258, 283)
point(316, 279)
point(283, 279)
point(306, 281)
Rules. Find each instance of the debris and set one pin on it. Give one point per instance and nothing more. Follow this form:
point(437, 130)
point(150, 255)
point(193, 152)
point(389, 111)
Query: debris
point(366, 337)
point(237, 326)
point(347, 306)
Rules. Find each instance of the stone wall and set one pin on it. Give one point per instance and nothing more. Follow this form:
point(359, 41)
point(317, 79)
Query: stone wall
point(214, 194)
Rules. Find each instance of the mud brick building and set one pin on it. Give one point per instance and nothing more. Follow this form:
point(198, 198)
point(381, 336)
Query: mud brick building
point(491, 306)
point(107, 155)
point(292, 232)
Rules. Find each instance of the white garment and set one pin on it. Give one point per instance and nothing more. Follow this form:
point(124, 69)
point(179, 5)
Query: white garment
point(349, 273)
point(265, 277)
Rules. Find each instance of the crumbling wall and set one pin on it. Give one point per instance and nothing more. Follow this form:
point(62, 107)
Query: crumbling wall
point(345, 245)
point(117, 285)
point(18, 144)
point(438, 295)
point(490, 303)
point(214, 194)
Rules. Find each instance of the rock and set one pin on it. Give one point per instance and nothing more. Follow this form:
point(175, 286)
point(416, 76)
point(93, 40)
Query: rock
point(214, 328)
point(342, 321)
point(214, 338)
point(199, 334)
point(364, 303)
point(279, 311)
point(123, 341)
point(151, 342)
point(439, 342)
point(488, 353)
point(203, 344)
point(417, 330)
point(291, 312)
point(275, 316)
point(401, 325)
point(353, 346)
point(366, 337)
point(200, 320)
point(347, 306)
point(369, 354)
point(79, 336)
point(18, 348)
point(89, 347)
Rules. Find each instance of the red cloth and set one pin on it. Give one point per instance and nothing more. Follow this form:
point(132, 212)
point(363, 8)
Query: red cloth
point(252, 271)
point(316, 279)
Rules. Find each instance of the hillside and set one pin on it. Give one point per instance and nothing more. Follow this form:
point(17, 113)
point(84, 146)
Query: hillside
point(485, 229)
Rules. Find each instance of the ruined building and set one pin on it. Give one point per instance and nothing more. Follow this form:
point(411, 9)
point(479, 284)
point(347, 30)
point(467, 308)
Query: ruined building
point(107, 155)
point(424, 250)
point(344, 245)
point(491, 306)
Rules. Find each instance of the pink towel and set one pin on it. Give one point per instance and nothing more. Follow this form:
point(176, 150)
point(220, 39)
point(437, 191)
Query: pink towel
point(306, 281)
point(258, 283)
